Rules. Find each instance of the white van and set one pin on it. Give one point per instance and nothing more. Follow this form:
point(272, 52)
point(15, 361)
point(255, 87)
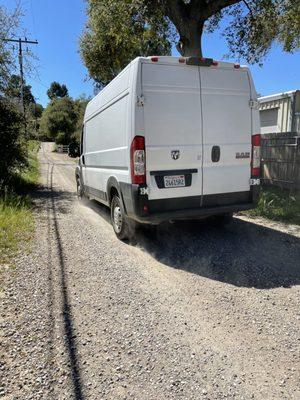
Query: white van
point(172, 138)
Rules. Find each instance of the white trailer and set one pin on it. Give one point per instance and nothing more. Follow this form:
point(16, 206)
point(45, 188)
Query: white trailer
point(172, 138)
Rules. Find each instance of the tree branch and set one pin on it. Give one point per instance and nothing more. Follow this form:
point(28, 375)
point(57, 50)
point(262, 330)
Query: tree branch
point(215, 6)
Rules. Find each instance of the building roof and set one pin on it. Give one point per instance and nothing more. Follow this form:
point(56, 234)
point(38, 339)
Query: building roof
point(277, 96)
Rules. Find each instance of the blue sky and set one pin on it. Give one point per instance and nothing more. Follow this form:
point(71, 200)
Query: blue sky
point(57, 25)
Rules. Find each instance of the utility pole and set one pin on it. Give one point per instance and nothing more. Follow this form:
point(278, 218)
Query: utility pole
point(20, 42)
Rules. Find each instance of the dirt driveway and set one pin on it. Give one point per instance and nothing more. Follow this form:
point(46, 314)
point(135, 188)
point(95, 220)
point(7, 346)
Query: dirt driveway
point(193, 312)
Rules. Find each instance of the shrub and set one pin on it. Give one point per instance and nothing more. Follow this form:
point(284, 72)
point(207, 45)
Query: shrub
point(12, 141)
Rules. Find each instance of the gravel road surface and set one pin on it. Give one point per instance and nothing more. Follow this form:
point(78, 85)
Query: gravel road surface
point(192, 311)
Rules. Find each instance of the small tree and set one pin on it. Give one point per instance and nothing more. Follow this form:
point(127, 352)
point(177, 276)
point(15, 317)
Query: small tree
point(57, 90)
point(59, 116)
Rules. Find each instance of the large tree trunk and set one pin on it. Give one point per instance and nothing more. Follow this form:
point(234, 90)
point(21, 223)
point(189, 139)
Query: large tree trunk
point(190, 41)
point(189, 18)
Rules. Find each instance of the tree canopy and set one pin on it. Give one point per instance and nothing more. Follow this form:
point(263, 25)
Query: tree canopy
point(13, 90)
point(62, 119)
point(119, 30)
point(57, 90)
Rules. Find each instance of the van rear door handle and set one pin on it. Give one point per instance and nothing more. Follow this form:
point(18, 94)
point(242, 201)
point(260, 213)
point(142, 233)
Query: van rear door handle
point(215, 153)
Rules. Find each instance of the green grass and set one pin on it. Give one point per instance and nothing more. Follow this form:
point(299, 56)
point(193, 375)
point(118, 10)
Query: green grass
point(16, 220)
point(279, 205)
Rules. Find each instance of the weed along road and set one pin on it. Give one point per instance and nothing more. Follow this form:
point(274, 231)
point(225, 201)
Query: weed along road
point(190, 311)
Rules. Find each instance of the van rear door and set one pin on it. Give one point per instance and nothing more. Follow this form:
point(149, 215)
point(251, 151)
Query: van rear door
point(225, 94)
point(173, 130)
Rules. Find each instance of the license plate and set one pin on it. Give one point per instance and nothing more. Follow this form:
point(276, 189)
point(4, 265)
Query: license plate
point(174, 181)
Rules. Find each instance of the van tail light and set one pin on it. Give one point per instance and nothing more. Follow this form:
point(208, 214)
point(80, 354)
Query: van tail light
point(255, 161)
point(138, 160)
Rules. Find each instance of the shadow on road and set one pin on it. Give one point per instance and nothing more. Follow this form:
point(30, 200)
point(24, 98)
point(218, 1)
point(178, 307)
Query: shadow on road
point(241, 253)
point(59, 202)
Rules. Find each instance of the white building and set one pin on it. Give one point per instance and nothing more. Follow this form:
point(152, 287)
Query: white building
point(280, 112)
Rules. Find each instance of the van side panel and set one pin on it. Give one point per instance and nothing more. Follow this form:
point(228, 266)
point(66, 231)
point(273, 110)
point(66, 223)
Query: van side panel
point(225, 94)
point(106, 143)
point(172, 122)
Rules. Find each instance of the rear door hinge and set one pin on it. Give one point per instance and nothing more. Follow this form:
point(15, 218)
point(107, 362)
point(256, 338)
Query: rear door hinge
point(140, 101)
point(254, 104)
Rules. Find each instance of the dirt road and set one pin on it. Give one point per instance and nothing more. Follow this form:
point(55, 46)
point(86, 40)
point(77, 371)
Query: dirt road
point(194, 312)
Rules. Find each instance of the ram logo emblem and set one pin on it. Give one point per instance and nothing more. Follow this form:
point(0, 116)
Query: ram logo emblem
point(175, 154)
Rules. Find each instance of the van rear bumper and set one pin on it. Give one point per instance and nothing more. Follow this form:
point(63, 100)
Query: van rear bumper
point(139, 208)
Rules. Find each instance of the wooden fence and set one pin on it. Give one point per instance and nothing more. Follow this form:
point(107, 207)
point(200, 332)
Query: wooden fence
point(62, 148)
point(280, 153)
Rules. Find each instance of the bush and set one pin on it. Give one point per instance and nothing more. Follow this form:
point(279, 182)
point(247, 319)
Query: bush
point(278, 204)
point(62, 138)
point(12, 141)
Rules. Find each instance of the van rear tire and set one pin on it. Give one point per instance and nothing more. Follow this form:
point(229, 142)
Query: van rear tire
point(123, 227)
point(80, 191)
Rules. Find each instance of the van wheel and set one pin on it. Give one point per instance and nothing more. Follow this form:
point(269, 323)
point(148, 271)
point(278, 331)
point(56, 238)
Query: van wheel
point(80, 193)
point(123, 227)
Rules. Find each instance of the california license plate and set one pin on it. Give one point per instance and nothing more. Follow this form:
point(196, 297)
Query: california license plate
point(174, 181)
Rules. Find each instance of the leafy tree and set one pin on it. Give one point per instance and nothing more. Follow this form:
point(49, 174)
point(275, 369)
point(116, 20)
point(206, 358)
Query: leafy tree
point(9, 22)
point(119, 30)
point(59, 116)
point(57, 90)
point(36, 110)
point(62, 119)
point(12, 143)
point(13, 90)
point(80, 106)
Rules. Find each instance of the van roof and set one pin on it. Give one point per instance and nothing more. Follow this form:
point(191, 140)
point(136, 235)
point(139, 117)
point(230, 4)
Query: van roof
point(181, 59)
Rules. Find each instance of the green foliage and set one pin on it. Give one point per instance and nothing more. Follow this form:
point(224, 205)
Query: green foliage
point(16, 220)
point(9, 22)
point(62, 138)
point(13, 90)
point(80, 106)
point(57, 90)
point(59, 116)
point(62, 119)
point(119, 31)
point(16, 224)
point(252, 32)
point(12, 143)
point(278, 204)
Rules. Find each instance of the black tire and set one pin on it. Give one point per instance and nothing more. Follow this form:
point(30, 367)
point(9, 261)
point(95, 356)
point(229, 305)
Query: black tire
point(80, 192)
point(123, 227)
